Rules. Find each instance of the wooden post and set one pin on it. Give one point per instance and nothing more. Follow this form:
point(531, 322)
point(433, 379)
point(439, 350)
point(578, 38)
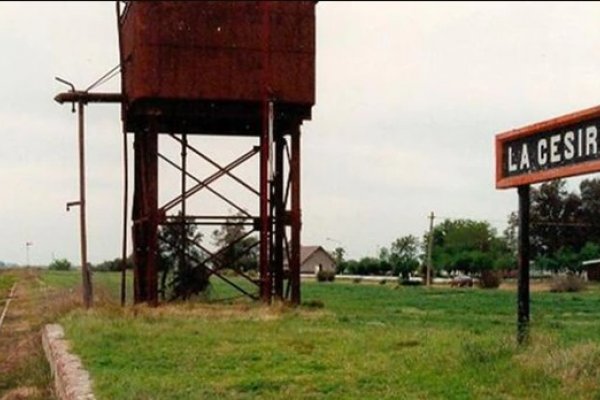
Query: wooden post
point(85, 272)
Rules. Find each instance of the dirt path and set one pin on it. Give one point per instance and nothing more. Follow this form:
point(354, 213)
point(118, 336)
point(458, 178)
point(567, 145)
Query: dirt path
point(24, 372)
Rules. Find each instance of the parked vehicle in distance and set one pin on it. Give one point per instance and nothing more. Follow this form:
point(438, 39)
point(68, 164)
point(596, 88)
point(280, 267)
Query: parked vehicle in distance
point(461, 281)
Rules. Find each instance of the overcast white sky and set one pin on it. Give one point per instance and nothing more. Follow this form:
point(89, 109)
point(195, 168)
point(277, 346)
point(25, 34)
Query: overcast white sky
point(409, 97)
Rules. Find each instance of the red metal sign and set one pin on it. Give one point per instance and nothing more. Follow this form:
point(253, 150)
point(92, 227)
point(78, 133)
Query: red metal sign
point(556, 148)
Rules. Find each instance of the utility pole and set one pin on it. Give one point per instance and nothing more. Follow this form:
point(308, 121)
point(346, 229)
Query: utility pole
point(430, 250)
point(82, 98)
point(27, 245)
point(85, 273)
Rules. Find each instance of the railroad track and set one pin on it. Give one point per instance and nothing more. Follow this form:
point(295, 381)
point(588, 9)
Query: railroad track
point(5, 310)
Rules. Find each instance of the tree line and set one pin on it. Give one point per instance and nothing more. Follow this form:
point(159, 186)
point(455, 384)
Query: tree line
point(564, 232)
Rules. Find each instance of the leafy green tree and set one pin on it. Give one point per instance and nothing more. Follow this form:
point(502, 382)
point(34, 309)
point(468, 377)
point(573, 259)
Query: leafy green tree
point(562, 223)
point(555, 216)
point(590, 209)
point(241, 250)
point(590, 251)
point(546, 263)
point(61, 264)
point(567, 259)
point(364, 266)
point(404, 256)
point(113, 265)
point(181, 277)
point(338, 256)
point(466, 245)
point(505, 261)
point(349, 267)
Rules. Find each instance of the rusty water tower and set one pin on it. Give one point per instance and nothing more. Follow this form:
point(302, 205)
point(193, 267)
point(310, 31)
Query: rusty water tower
point(236, 68)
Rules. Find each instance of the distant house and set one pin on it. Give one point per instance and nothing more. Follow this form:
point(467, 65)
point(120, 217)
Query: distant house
point(314, 259)
point(592, 268)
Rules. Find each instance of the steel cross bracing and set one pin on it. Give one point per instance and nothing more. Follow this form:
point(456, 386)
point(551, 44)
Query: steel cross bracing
point(278, 222)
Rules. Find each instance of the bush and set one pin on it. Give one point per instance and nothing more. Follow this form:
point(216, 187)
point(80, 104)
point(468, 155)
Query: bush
point(357, 280)
point(408, 282)
point(325, 276)
point(567, 283)
point(114, 265)
point(61, 264)
point(490, 279)
point(382, 282)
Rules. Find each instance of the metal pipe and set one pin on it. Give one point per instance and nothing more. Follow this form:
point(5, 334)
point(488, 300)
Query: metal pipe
point(182, 257)
point(77, 96)
point(125, 205)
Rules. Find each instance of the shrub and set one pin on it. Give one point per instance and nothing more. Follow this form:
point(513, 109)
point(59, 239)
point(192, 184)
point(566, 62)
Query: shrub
point(357, 280)
point(325, 276)
point(382, 282)
point(114, 265)
point(408, 282)
point(567, 283)
point(489, 279)
point(61, 264)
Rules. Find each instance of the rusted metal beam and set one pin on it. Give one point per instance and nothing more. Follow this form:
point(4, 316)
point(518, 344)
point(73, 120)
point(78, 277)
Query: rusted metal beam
point(279, 207)
point(207, 187)
point(145, 216)
point(138, 217)
point(212, 271)
point(264, 262)
point(78, 96)
point(219, 167)
point(247, 156)
point(296, 218)
point(183, 265)
point(151, 152)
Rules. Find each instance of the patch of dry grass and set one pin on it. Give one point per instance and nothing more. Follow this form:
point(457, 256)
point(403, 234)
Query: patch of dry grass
point(24, 373)
point(576, 366)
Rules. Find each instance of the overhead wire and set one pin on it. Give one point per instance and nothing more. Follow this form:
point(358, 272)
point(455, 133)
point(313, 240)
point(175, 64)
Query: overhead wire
point(106, 77)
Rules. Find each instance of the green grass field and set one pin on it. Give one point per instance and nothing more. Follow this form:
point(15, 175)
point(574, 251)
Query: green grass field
point(368, 342)
point(7, 279)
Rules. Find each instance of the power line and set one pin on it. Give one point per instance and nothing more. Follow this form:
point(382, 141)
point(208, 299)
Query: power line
point(106, 77)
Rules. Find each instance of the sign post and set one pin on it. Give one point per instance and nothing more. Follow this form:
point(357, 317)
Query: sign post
point(523, 276)
point(556, 148)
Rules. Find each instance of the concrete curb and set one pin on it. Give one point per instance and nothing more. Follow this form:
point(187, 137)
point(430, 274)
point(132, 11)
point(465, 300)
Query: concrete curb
point(71, 380)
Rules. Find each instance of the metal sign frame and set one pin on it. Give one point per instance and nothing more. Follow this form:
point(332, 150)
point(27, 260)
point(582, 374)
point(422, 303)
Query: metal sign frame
point(570, 123)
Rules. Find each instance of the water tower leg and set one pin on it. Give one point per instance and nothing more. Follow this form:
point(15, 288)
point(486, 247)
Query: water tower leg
point(296, 217)
point(145, 217)
point(138, 237)
point(151, 139)
point(265, 217)
point(279, 215)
